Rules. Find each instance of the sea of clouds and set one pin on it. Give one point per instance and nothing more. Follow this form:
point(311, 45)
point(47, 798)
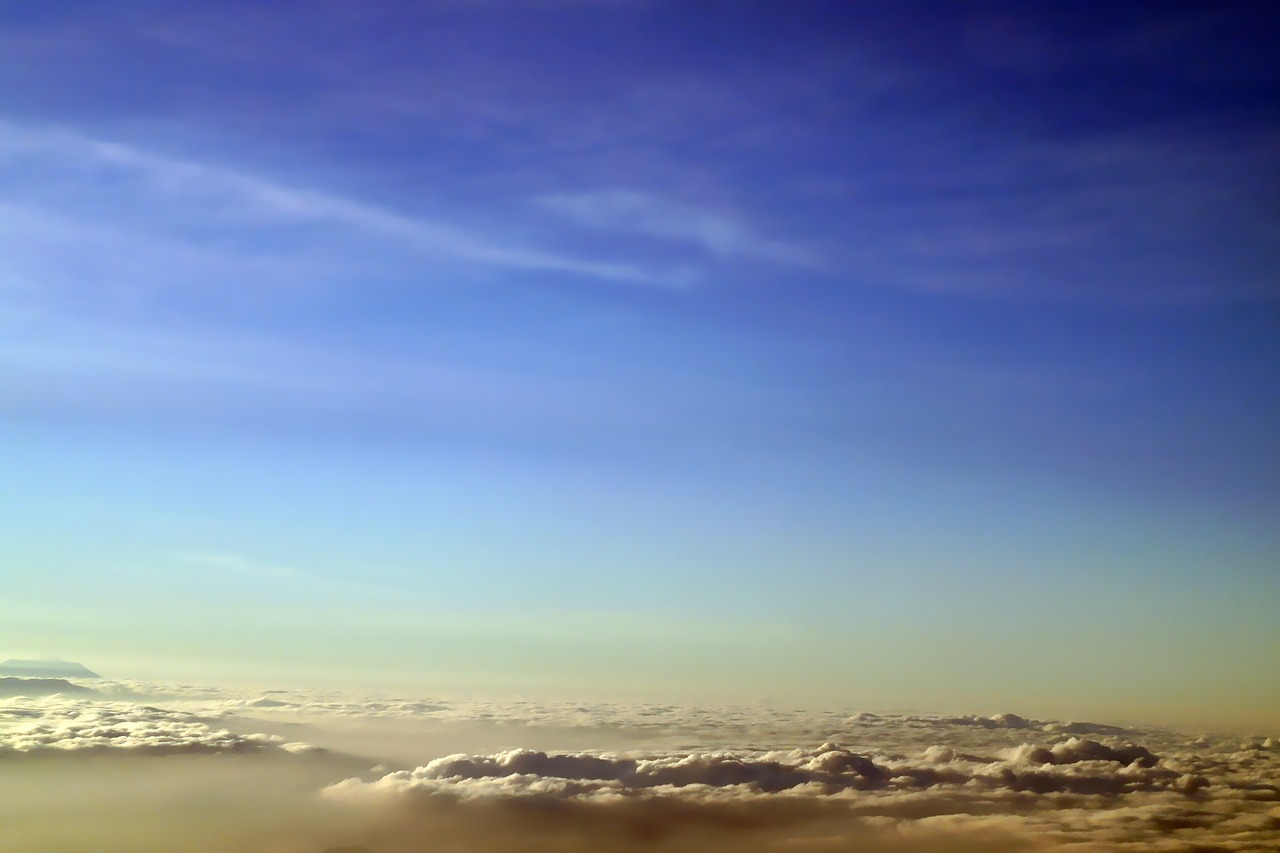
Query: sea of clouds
point(212, 769)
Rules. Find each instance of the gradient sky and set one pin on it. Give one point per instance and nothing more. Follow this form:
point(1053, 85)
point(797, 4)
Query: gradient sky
point(914, 355)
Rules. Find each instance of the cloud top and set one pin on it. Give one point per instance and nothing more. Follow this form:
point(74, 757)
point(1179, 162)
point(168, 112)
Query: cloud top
point(56, 725)
point(901, 781)
point(1071, 766)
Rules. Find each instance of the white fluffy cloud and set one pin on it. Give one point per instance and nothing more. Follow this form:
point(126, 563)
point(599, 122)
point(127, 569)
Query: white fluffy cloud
point(1108, 793)
point(732, 777)
point(1070, 766)
point(59, 724)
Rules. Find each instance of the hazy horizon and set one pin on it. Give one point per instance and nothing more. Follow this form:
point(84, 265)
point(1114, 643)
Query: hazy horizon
point(1211, 715)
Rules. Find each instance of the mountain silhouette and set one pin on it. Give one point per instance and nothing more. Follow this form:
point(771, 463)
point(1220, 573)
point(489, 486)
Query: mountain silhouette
point(46, 669)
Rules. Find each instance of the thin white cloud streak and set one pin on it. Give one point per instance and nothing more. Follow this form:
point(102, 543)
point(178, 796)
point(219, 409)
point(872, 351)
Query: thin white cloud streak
point(51, 362)
point(629, 211)
point(238, 565)
point(249, 200)
point(230, 564)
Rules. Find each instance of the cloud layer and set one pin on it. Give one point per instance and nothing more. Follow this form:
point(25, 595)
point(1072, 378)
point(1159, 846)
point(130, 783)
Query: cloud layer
point(1070, 766)
point(1108, 794)
point(60, 725)
point(759, 779)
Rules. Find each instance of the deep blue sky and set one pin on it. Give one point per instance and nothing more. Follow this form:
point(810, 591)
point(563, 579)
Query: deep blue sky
point(819, 322)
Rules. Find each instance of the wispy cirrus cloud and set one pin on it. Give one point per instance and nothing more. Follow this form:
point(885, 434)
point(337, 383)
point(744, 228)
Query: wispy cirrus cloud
point(105, 185)
point(718, 234)
point(262, 572)
point(239, 565)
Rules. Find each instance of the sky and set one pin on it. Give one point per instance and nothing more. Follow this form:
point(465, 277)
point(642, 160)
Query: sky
point(913, 356)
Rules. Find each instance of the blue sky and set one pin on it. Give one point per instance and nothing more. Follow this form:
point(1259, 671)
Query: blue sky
point(826, 353)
